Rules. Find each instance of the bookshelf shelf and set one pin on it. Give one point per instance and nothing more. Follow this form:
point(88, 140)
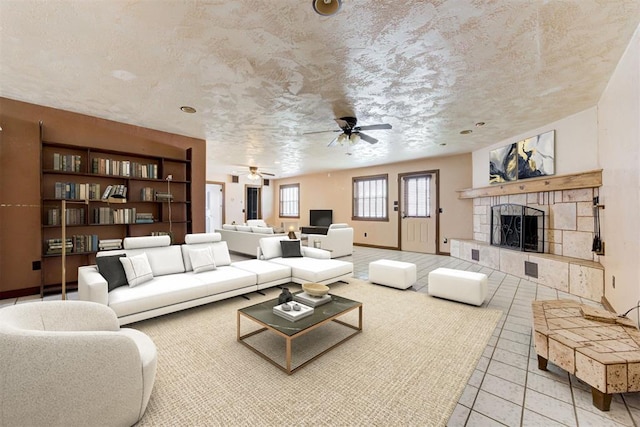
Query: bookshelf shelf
point(81, 175)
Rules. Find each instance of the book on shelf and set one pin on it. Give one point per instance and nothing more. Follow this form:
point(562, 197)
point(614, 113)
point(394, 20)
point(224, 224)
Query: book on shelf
point(67, 162)
point(144, 218)
point(126, 168)
point(117, 191)
point(147, 194)
point(109, 244)
point(163, 197)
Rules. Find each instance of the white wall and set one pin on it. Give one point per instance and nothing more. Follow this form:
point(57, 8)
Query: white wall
point(619, 155)
point(576, 146)
point(235, 195)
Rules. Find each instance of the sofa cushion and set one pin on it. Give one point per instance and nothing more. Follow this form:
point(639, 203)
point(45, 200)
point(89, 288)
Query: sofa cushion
point(146, 242)
point(137, 269)
point(231, 227)
point(256, 223)
point(220, 252)
point(112, 269)
point(163, 260)
point(202, 259)
point(270, 247)
point(315, 270)
point(266, 271)
point(262, 230)
point(243, 228)
point(290, 248)
point(191, 239)
point(226, 279)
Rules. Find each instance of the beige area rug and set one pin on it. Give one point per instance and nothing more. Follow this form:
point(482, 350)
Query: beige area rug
point(409, 366)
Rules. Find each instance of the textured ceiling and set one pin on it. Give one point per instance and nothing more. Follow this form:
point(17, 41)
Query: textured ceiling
point(262, 73)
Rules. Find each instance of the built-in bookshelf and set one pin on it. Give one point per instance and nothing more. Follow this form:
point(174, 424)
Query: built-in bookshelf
point(108, 195)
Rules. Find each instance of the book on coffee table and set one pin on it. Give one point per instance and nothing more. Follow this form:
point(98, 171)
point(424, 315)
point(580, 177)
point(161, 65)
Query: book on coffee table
point(292, 314)
point(311, 301)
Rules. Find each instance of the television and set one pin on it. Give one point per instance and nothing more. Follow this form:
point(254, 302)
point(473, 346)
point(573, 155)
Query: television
point(320, 217)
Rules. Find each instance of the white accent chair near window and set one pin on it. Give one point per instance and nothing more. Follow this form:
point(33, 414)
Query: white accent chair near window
point(68, 363)
point(338, 240)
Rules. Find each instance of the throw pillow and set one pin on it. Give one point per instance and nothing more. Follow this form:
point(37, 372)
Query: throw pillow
point(137, 269)
point(290, 248)
point(202, 260)
point(111, 269)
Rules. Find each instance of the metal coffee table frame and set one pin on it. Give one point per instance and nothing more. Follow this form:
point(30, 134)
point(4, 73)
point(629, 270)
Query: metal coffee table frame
point(306, 325)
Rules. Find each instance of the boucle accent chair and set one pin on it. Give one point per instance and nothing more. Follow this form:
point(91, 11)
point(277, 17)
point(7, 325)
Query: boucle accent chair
point(68, 363)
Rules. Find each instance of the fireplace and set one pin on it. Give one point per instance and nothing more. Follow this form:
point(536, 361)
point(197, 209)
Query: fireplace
point(517, 227)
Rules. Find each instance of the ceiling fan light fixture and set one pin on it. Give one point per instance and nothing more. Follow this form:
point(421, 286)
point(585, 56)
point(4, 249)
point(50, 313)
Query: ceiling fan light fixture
point(354, 138)
point(326, 7)
point(341, 138)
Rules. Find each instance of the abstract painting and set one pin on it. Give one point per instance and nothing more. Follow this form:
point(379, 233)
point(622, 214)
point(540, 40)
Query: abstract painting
point(536, 156)
point(503, 164)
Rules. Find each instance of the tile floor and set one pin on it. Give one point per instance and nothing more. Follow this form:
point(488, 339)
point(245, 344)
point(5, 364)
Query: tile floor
point(506, 387)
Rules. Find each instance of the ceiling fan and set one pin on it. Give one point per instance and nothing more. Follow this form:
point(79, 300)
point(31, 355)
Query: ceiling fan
point(254, 175)
point(352, 132)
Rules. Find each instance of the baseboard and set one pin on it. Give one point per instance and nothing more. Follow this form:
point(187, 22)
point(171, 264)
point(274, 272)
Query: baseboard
point(605, 302)
point(365, 245)
point(17, 293)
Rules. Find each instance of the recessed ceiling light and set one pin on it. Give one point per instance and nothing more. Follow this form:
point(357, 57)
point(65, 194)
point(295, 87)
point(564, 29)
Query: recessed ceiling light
point(480, 124)
point(466, 132)
point(187, 109)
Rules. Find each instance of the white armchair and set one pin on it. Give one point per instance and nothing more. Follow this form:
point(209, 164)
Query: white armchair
point(69, 363)
point(338, 240)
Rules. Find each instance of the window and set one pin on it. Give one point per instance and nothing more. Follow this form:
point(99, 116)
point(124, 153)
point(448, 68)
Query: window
point(370, 198)
point(290, 201)
point(417, 200)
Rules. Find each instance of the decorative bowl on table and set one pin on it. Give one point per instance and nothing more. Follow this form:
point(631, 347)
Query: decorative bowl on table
point(315, 289)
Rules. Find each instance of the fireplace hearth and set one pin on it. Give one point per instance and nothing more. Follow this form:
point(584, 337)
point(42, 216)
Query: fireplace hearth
point(517, 227)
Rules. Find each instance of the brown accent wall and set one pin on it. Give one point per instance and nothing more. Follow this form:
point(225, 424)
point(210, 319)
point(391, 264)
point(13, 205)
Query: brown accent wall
point(20, 231)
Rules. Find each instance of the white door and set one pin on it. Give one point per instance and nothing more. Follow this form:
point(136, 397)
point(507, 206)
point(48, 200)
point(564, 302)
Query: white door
point(214, 204)
point(417, 212)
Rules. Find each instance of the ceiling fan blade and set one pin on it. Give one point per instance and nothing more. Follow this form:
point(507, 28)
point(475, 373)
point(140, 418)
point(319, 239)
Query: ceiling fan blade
point(267, 173)
point(322, 131)
point(374, 127)
point(332, 141)
point(367, 138)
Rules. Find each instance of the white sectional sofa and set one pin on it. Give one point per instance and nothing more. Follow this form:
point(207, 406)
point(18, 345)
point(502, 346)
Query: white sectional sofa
point(162, 278)
point(338, 240)
point(243, 239)
point(314, 265)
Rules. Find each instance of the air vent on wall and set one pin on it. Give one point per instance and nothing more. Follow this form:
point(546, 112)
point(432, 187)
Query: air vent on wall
point(475, 254)
point(265, 182)
point(531, 269)
point(235, 178)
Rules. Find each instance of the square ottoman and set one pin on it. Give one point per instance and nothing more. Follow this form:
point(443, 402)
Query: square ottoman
point(458, 285)
point(397, 274)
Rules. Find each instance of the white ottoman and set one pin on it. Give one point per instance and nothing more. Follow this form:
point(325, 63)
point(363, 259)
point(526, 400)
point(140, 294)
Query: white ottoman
point(397, 274)
point(458, 285)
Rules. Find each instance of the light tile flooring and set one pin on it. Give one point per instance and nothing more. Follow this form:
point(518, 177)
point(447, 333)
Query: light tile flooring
point(506, 387)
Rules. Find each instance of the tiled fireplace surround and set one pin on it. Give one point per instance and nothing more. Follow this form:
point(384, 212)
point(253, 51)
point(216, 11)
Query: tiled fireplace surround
point(567, 264)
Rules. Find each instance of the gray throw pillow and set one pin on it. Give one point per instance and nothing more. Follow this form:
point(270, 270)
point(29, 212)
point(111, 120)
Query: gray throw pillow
point(111, 269)
point(290, 248)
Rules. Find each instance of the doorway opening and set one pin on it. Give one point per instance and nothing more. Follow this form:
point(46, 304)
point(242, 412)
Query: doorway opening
point(252, 205)
point(214, 206)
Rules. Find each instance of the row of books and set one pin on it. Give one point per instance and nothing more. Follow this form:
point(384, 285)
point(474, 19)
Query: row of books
point(67, 162)
point(107, 215)
point(74, 244)
point(124, 168)
point(73, 217)
point(76, 191)
point(147, 194)
point(144, 218)
point(118, 191)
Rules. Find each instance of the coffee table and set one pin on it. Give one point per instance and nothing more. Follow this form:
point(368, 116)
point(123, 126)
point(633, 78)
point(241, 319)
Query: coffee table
point(262, 313)
point(596, 346)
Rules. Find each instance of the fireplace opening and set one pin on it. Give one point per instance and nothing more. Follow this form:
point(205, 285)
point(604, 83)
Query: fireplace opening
point(517, 227)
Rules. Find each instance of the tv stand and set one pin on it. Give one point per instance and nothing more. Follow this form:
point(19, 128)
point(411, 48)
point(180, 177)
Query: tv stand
point(314, 230)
